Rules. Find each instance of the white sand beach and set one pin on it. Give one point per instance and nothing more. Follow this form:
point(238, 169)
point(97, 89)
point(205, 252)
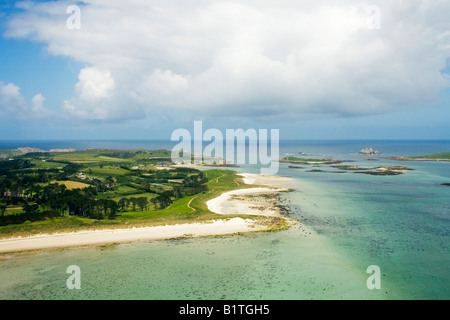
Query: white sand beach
point(253, 201)
point(97, 237)
point(233, 202)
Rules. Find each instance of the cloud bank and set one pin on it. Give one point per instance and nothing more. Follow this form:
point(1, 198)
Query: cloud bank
point(285, 59)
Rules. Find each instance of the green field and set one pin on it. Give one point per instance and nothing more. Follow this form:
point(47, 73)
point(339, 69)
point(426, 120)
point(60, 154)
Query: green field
point(105, 171)
point(85, 157)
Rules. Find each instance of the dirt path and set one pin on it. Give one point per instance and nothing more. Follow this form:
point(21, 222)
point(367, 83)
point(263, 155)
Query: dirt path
point(189, 204)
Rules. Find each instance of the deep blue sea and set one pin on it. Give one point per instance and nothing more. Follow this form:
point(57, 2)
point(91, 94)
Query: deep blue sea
point(341, 148)
point(399, 223)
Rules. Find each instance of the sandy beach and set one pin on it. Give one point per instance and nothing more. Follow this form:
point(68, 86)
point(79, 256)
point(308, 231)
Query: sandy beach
point(252, 201)
point(97, 237)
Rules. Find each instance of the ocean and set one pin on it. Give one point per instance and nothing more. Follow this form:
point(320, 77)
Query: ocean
point(401, 224)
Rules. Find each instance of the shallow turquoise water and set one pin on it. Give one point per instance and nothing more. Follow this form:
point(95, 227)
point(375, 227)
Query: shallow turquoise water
point(282, 265)
point(400, 223)
point(352, 221)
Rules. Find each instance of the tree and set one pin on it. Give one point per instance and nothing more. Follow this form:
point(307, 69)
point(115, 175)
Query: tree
point(164, 199)
point(133, 202)
point(30, 208)
point(37, 189)
point(122, 204)
point(142, 203)
point(110, 208)
point(145, 186)
point(2, 208)
point(154, 201)
point(177, 192)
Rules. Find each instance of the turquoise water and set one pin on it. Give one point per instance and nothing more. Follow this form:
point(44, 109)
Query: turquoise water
point(400, 223)
point(280, 265)
point(352, 221)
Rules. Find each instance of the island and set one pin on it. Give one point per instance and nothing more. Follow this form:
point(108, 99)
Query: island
point(5, 154)
point(296, 160)
point(369, 151)
point(58, 199)
point(377, 171)
point(438, 157)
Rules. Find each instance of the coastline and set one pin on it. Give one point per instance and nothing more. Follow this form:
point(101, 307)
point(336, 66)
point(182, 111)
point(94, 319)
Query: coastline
point(111, 236)
point(252, 201)
point(231, 202)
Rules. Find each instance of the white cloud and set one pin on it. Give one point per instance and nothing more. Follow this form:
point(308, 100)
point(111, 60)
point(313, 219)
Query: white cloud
point(93, 95)
point(290, 59)
point(13, 104)
point(11, 101)
point(38, 108)
point(94, 84)
point(96, 99)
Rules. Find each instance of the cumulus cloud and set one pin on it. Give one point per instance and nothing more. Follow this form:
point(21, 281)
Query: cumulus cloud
point(289, 59)
point(11, 101)
point(38, 108)
point(97, 98)
point(13, 104)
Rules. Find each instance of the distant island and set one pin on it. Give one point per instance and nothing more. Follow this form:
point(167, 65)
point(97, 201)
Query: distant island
point(377, 171)
point(444, 157)
point(5, 154)
point(296, 160)
point(369, 151)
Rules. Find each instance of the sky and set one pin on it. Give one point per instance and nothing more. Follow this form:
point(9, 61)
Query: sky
point(140, 69)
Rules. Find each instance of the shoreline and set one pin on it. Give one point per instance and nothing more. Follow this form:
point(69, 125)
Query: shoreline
point(113, 236)
point(252, 201)
point(217, 227)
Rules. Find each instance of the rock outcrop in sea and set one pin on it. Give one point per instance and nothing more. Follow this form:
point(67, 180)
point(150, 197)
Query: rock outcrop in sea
point(369, 151)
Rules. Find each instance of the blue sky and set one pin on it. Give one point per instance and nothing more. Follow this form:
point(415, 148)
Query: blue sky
point(140, 69)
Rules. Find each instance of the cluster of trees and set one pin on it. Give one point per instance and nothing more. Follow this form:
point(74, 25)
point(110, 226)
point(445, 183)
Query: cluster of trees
point(27, 216)
point(132, 203)
point(82, 202)
point(17, 164)
point(57, 199)
point(17, 181)
point(161, 201)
